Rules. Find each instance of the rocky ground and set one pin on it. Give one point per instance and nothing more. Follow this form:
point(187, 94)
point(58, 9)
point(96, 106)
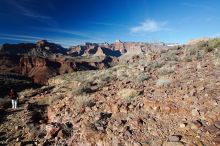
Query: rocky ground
point(171, 98)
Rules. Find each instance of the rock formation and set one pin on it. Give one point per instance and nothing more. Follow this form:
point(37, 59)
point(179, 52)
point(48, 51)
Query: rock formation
point(43, 60)
point(116, 49)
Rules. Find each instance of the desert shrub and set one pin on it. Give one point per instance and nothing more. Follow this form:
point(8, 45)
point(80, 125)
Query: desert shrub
point(202, 44)
point(176, 48)
point(170, 55)
point(27, 92)
point(92, 81)
point(78, 90)
point(214, 43)
point(133, 65)
point(163, 82)
point(192, 50)
point(208, 49)
point(143, 77)
point(128, 94)
point(217, 55)
point(122, 74)
point(165, 70)
point(210, 45)
point(52, 99)
point(187, 58)
point(200, 55)
point(102, 79)
point(143, 62)
point(155, 64)
point(119, 67)
point(81, 101)
point(216, 59)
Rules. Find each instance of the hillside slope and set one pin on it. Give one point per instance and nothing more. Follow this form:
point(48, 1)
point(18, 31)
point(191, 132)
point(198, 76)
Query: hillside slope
point(168, 98)
point(171, 98)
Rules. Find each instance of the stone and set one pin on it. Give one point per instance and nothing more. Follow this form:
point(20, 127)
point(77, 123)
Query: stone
point(18, 139)
point(196, 124)
point(56, 138)
point(217, 124)
point(36, 142)
point(173, 144)
point(18, 128)
point(99, 128)
point(174, 138)
point(183, 125)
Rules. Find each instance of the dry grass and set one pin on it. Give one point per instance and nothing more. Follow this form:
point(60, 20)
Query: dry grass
point(128, 94)
point(81, 101)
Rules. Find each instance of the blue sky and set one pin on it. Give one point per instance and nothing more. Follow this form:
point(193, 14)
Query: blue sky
point(71, 22)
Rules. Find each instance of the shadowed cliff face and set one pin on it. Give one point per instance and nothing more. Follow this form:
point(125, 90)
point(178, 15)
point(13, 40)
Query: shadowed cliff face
point(41, 69)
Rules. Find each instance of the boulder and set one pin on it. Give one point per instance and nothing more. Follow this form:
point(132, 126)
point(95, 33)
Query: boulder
point(174, 138)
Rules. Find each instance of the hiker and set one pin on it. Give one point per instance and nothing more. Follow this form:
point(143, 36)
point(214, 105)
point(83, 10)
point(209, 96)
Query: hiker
point(14, 98)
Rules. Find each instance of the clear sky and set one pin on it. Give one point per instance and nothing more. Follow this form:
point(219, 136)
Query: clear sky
point(71, 22)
